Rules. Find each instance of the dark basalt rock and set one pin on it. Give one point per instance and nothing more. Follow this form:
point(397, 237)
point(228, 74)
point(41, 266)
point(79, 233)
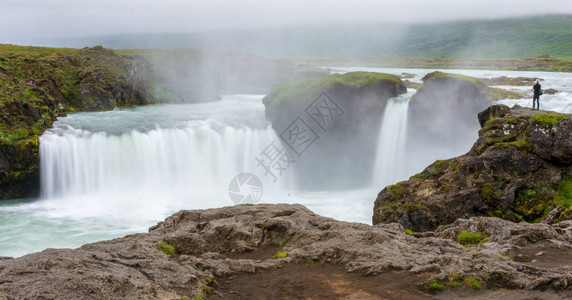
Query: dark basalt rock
point(513, 171)
point(550, 91)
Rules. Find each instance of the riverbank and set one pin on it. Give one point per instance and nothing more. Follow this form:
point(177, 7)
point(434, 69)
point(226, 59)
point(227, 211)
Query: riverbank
point(544, 63)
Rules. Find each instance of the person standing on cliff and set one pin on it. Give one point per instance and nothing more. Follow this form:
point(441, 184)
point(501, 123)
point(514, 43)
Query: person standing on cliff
point(537, 93)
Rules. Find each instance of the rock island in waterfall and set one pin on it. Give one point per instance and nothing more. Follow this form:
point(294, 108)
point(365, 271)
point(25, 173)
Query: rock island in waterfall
point(296, 150)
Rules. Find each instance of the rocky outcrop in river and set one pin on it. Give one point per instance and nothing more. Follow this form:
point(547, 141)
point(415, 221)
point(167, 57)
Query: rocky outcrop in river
point(39, 84)
point(214, 253)
point(442, 112)
point(519, 169)
point(343, 114)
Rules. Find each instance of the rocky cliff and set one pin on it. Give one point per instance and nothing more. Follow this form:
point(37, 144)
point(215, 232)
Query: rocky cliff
point(344, 113)
point(519, 169)
point(39, 84)
point(286, 251)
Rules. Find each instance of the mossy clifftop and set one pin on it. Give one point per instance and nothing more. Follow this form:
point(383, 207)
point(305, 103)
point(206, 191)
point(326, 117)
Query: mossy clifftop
point(358, 100)
point(305, 91)
point(489, 93)
point(38, 84)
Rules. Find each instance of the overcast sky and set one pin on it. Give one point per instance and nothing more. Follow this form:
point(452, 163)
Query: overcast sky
point(27, 20)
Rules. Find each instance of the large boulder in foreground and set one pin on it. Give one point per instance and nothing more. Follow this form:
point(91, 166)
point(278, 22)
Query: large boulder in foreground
point(344, 112)
point(188, 253)
point(519, 169)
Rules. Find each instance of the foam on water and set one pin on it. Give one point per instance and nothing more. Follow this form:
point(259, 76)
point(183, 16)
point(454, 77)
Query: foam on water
point(107, 174)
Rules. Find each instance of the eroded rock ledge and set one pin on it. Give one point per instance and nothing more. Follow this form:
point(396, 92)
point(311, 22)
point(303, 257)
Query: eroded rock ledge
point(519, 169)
point(185, 254)
point(344, 112)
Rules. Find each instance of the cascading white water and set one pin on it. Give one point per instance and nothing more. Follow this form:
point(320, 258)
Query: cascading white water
point(145, 163)
point(390, 161)
point(107, 174)
point(203, 154)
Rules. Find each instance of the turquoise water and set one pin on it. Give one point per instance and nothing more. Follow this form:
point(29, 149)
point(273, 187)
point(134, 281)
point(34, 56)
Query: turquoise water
point(108, 174)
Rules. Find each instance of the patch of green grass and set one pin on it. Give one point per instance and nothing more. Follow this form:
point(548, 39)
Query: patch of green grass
point(455, 167)
point(433, 286)
point(488, 124)
point(489, 192)
point(534, 203)
point(408, 232)
point(421, 175)
point(310, 261)
point(526, 195)
point(466, 238)
point(397, 191)
point(473, 283)
point(563, 195)
point(167, 249)
point(502, 139)
point(437, 164)
point(387, 208)
point(521, 144)
point(511, 121)
point(454, 283)
point(280, 254)
point(412, 207)
point(548, 119)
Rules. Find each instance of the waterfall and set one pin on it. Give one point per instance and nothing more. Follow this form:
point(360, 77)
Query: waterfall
point(203, 155)
point(390, 161)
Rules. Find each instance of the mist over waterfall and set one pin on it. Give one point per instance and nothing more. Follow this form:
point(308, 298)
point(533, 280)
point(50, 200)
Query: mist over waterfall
point(150, 161)
point(391, 153)
point(203, 154)
point(107, 174)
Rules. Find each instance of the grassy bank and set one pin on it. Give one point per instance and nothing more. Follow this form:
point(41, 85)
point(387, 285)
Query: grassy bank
point(545, 63)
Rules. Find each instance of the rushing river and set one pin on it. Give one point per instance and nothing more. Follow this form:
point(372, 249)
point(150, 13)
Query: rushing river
point(108, 174)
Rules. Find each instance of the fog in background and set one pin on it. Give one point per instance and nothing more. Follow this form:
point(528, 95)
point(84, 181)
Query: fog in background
point(43, 22)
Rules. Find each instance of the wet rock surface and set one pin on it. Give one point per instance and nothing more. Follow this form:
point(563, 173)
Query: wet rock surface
point(343, 113)
point(519, 170)
point(190, 252)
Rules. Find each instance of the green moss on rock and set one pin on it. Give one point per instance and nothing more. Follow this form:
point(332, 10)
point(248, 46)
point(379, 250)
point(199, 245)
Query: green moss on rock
point(563, 194)
point(38, 84)
point(305, 91)
point(466, 238)
point(490, 93)
point(548, 119)
point(167, 249)
point(397, 191)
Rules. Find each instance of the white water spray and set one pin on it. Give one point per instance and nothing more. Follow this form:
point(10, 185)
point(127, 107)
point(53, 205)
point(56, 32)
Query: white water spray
point(204, 154)
point(390, 161)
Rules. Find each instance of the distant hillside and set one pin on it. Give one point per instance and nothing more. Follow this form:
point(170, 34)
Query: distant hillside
point(507, 38)
point(512, 38)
